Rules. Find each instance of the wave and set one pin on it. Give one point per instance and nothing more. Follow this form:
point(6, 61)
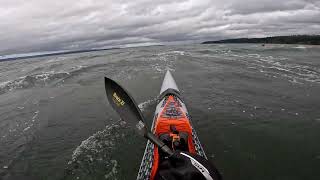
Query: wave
point(173, 53)
point(292, 71)
point(300, 47)
point(279, 66)
point(166, 60)
point(95, 154)
point(42, 79)
point(31, 81)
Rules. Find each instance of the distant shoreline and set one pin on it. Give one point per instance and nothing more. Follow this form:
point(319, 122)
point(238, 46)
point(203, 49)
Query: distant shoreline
point(54, 54)
point(4, 58)
point(295, 39)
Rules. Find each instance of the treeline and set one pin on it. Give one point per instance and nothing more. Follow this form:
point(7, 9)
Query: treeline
point(295, 39)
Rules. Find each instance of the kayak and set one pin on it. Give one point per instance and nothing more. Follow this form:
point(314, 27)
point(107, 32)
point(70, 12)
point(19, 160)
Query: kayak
point(172, 125)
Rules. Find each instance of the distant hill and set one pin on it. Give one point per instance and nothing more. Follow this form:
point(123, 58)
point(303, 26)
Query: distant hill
point(295, 39)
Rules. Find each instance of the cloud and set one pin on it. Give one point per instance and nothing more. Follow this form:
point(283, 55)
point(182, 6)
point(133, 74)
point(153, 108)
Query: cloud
point(37, 25)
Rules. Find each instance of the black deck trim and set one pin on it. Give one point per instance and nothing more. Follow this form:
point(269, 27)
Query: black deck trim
point(170, 91)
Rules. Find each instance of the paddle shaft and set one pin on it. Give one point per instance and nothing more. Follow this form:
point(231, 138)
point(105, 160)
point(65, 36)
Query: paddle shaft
point(155, 140)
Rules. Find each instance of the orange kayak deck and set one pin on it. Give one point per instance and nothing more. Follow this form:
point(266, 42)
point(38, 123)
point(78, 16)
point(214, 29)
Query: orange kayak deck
point(171, 115)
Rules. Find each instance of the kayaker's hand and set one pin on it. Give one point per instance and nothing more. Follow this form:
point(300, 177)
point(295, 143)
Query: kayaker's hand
point(183, 165)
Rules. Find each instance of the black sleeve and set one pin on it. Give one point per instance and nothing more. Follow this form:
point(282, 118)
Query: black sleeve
point(179, 166)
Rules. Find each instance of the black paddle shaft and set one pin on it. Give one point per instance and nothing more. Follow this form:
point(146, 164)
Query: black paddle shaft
point(155, 140)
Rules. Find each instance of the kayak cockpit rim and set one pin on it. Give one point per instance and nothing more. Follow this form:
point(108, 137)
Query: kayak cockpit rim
point(170, 92)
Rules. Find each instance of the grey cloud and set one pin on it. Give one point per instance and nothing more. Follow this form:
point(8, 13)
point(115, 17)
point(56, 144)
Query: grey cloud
point(254, 6)
point(38, 25)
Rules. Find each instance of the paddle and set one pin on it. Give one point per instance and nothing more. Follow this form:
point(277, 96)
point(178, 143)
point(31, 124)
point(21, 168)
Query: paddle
point(125, 106)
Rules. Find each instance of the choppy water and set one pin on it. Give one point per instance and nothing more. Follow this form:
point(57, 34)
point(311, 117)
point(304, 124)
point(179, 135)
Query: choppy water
point(256, 110)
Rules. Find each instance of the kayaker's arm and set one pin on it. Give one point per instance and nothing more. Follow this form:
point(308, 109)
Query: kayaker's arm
point(186, 166)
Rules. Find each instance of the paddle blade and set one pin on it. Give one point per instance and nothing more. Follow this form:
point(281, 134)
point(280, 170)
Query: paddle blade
point(122, 102)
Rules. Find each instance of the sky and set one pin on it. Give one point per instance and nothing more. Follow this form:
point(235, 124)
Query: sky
point(52, 25)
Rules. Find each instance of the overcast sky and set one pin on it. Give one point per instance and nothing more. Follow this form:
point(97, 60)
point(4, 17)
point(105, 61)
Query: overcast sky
point(42, 25)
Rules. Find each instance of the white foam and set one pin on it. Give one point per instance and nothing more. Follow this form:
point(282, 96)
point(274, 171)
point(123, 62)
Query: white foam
point(92, 143)
point(113, 171)
point(145, 104)
point(179, 52)
point(35, 115)
point(32, 80)
point(254, 55)
point(3, 84)
point(300, 47)
point(170, 53)
point(295, 81)
point(292, 71)
point(27, 128)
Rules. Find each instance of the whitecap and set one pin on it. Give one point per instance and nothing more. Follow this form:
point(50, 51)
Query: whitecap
point(300, 47)
point(27, 128)
point(29, 81)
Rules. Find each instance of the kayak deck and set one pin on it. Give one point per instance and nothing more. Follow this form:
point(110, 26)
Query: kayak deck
point(170, 110)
